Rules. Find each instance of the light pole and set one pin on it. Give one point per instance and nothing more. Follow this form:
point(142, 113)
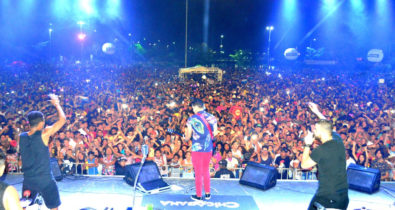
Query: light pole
point(186, 35)
point(50, 43)
point(81, 37)
point(221, 46)
point(270, 29)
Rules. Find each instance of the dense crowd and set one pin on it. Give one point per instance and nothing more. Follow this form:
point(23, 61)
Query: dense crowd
point(262, 116)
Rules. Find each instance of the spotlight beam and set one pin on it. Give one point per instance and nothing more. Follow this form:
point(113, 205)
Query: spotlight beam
point(322, 21)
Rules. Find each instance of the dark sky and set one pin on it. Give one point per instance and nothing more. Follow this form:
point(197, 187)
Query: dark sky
point(242, 22)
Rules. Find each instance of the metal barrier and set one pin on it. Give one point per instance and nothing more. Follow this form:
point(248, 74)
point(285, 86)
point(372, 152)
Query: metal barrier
point(181, 172)
point(188, 172)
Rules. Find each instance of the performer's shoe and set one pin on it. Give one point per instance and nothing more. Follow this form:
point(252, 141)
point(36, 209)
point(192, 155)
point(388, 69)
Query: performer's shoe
point(207, 196)
point(196, 198)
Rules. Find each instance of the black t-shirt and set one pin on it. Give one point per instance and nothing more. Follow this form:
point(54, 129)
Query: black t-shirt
point(224, 174)
point(331, 162)
point(35, 156)
point(268, 161)
point(286, 161)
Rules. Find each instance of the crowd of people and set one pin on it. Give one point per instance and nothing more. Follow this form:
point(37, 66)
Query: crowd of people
point(262, 116)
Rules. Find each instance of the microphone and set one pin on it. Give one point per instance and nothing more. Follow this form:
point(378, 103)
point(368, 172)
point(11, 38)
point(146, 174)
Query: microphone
point(144, 151)
point(26, 193)
point(26, 199)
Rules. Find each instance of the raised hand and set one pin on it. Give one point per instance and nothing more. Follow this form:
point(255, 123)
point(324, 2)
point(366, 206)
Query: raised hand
point(54, 99)
point(313, 107)
point(308, 140)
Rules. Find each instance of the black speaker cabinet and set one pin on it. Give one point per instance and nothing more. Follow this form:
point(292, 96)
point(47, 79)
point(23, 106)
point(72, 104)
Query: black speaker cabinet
point(363, 179)
point(55, 169)
point(259, 176)
point(149, 181)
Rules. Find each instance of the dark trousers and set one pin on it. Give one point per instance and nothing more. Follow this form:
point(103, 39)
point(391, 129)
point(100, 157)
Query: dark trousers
point(339, 201)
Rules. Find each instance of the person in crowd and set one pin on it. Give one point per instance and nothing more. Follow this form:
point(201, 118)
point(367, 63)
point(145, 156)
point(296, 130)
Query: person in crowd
point(81, 163)
point(282, 162)
point(92, 163)
point(161, 161)
point(232, 162)
point(217, 157)
point(120, 168)
point(223, 172)
point(174, 166)
point(108, 162)
point(8, 194)
point(381, 164)
point(265, 158)
point(349, 159)
point(69, 162)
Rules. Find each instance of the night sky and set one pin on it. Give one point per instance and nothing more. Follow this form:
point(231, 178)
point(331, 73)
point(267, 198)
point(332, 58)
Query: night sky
point(25, 25)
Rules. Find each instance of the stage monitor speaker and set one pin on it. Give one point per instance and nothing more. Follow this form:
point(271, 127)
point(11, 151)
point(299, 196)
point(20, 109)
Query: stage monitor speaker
point(150, 179)
point(363, 179)
point(55, 169)
point(259, 176)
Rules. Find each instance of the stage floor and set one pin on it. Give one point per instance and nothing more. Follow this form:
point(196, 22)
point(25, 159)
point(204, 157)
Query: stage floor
point(113, 192)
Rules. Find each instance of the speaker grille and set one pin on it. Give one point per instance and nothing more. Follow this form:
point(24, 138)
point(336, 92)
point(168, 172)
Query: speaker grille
point(361, 179)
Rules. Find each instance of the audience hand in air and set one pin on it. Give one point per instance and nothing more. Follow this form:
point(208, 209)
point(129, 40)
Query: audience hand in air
point(54, 99)
point(308, 140)
point(313, 107)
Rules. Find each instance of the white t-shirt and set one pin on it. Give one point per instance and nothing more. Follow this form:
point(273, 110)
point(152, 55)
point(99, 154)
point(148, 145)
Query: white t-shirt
point(72, 143)
point(349, 161)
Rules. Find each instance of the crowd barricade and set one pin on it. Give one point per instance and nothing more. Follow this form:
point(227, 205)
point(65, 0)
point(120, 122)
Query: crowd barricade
point(188, 172)
point(68, 168)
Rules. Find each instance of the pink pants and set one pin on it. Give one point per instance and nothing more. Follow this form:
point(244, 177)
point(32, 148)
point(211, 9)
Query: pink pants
point(201, 164)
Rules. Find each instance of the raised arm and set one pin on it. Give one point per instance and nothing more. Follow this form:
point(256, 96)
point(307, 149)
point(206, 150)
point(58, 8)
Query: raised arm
point(314, 108)
point(50, 130)
point(307, 162)
point(188, 132)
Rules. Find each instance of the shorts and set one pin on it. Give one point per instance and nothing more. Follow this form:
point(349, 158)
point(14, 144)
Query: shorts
point(339, 201)
point(47, 188)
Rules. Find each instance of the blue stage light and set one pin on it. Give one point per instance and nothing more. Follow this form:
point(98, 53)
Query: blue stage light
point(26, 6)
point(289, 8)
point(87, 7)
point(329, 2)
point(113, 8)
point(61, 8)
point(357, 5)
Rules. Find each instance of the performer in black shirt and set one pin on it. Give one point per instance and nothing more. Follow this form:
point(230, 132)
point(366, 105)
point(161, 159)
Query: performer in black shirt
point(331, 161)
point(37, 174)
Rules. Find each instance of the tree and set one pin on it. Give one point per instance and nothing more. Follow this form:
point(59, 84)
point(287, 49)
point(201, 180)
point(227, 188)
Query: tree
point(241, 57)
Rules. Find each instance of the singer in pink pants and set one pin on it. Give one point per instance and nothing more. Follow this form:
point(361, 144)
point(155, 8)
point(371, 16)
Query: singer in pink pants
point(201, 128)
point(201, 164)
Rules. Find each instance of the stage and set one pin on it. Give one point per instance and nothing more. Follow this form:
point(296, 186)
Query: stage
point(100, 192)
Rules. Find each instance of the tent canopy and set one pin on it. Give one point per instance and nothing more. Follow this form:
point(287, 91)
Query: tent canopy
point(201, 70)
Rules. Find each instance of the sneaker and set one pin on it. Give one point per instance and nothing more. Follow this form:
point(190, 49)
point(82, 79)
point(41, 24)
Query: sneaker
point(196, 198)
point(207, 196)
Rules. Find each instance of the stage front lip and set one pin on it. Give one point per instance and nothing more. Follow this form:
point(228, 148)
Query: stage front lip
point(99, 192)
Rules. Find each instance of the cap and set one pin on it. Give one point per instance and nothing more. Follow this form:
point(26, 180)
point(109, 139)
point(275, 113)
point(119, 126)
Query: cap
point(223, 163)
point(122, 159)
